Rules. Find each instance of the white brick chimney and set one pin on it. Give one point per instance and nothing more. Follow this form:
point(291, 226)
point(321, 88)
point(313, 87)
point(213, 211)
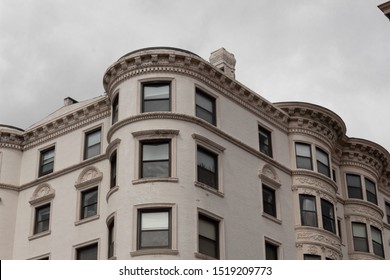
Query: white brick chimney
point(224, 61)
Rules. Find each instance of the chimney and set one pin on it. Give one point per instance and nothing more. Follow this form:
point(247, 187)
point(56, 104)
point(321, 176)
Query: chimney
point(385, 8)
point(69, 101)
point(224, 61)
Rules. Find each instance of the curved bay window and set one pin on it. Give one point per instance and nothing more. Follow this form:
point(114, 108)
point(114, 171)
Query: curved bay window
point(308, 210)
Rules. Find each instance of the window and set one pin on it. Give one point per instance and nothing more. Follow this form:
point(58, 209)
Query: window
point(328, 219)
point(303, 156)
point(154, 228)
point(370, 191)
point(111, 242)
point(208, 236)
point(92, 143)
point(271, 251)
point(89, 200)
point(359, 237)
point(388, 211)
point(377, 244)
point(334, 175)
point(89, 252)
point(269, 201)
point(339, 229)
point(207, 167)
point(322, 162)
point(308, 210)
point(113, 170)
point(354, 186)
point(265, 143)
point(155, 159)
point(205, 107)
point(42, 218)
point(46, 162)
point(311, 257)
point(156, 97)
point(115, 109)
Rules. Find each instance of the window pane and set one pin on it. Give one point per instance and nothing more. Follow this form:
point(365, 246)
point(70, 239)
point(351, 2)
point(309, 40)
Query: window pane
point(93, 138)
point(154, 231)
point(155, 151)
point(388, 212)
point(303, 150)
point(353, 180)
point(205, 115)
point(206, 160)
point(155, 220)
point(271, 251)
point(308, 210)
point(208, 229)
point(322, 157)
point(158, 91)
point(311, 257)
point(370, 191)
point(208, 247)
point(204, 102)
point(304, 163)
point(155, 169)
point(155, 238)
point(87, 253)
point(156, 105)
point(359, 230)
point(208, 237)
point(376, 235)
point(269, 203)
point(265, 141)
point(42, 218)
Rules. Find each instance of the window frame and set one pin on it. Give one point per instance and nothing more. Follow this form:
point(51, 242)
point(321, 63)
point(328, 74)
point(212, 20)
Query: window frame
point(215, 175)
point(42, 163)
point(115, 109)
point(156, 83)
point(360, 238)
point(162, 141)
point(265, 134)
point(304, 219)
point(371, 196)
point(87, 148)
point(387, 208)
point(271, 204)
point(213, 114)
point(113, 169)
point(376, 244)
point(351, 189)
point(303, 157)
point(216, 242)
point(111, 237)
point(79, 248)
point(275, 250)
point(325, 217)
point(83, 207)
point(321, 165)
point(36, 231)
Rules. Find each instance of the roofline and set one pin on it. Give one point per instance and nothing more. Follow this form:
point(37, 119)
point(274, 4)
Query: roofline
point(157, 48)
point(11, 127)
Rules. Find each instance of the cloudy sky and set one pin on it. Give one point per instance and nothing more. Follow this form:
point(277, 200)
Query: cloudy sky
point(334, 53)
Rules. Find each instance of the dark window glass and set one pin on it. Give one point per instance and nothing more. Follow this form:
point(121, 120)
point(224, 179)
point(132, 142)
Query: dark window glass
point(334, 176)
point(310, 257)
point(156, 97)
point(208, 236)
point(339, 228)
point(205, 107)
point(271, 251)
point(111, 242)
point(154, 229)
point(115, 109)
point(87, 253)
point(269, 201)
point(155, 159)
point(92, 143)
point(377, 243)
point(207, 163)
point(322, 162)
point(113, 170)
point(354, 186)
point(388, 212)
point(42, 218)
point(89, 200)
point(265, 142)
point(46, 164)
point(371, 191)
point(328, 219)
point(308, 210)
point(359, 232)
point(303, 156)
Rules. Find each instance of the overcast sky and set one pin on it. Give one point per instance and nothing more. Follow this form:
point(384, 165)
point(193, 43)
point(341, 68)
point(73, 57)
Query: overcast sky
point(334, 53)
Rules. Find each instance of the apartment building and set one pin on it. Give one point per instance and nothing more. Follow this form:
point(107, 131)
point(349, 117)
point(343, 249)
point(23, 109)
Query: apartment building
point(179, 160)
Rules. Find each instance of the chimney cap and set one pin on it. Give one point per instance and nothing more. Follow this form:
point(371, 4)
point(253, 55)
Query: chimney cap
point(69, 101)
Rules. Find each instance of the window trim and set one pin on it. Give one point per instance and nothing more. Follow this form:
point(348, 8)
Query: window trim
point(268, 133)
point(86, 245)
point(85, 145)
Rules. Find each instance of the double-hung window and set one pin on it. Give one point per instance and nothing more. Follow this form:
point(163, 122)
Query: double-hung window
point(89, 252)
point(354, 185)
point(265, 141)
point(89, 201)
point(387, 205)
point(92, 143)
point(207, 167)
point(322, 162)
point(205, 107)
point(359, 232)
point(208, 236)
point(271, 251)
point(377, 242)
point(154, 229)
point(308, 210)
point(155, 159)
point(111, 240)
point(269, 201)
point(370, 191)
point(303, 156)
point(328, 218)
point(115, 109)
point(113, 170)
point(42, 218)
point(156, 96)
point(46, 162)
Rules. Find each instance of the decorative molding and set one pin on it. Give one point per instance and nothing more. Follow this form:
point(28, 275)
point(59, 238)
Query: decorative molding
point(320, 237)
point(206, 141)
point(365, 211)
point(156, 133)
point(89, 176)
point(269, 176)
point(112, 147)
point(42, 193)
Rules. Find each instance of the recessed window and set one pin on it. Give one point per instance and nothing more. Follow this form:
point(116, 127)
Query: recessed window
point(271, 251)
point(303, 156)
point(154, 229)
point(207, 167)
point(115, 109)
point(208, 236)
point(46, 162)
point(205, 107)
point(111, 242)
point(322, 162)
point(155, 159)
point(359, 232)
point(354, 186)
point(387, 204)
point(265, 142)
point(89, 252)
point(156, 97)
point(308, 210)
point(328, 218)
point(92, 143)
point(370, 191)
point(113, 170)
point(42, 218)
point(269, 201)
point(377, 243)
point(89, 201)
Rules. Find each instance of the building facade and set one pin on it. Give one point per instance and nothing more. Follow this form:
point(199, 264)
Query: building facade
point(179, 160)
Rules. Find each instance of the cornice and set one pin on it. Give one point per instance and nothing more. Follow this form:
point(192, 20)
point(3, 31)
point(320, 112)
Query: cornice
point(9, 187)
point(200, 122)
point(183, 63)
point(11, 139)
